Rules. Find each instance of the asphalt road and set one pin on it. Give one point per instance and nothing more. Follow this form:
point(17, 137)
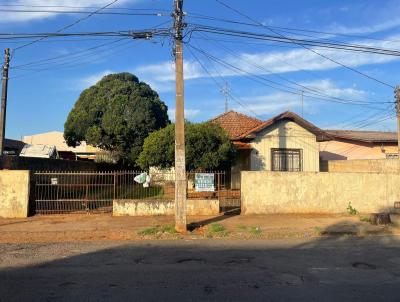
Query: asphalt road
point(338, 269)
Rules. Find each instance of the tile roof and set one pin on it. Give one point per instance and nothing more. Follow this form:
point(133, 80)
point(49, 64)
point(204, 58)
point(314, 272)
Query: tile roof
point(287, 115)
point(364, 136)
point(235, 123)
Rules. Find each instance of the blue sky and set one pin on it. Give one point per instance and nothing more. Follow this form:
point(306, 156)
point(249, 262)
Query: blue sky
point(41, 95)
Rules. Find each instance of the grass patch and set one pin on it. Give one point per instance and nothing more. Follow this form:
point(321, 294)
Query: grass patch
point(318, 230)
point(365, 219)
point(216, 229)
point(149, 231)
point(255, 231)
point(158, 230)
point(169, 229)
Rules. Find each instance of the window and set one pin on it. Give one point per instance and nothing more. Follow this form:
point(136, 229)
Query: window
point(290, 160)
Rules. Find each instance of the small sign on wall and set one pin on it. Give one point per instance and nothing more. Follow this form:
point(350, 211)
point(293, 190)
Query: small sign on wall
point(54, 181)
point(204, 182)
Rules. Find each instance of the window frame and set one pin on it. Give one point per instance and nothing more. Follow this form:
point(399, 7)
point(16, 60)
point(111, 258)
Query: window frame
point(285, 152)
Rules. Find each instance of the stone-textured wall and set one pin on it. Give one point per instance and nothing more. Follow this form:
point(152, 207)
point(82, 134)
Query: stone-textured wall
point(14, 194)
point(362, 165)
point(288, 192)
point(142, 207)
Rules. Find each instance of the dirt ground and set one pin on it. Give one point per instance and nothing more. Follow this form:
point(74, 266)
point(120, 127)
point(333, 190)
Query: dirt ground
point(70, 228)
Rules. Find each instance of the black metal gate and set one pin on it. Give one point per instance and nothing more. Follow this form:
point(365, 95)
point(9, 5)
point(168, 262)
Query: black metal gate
point(73, 192)
point(94, 192)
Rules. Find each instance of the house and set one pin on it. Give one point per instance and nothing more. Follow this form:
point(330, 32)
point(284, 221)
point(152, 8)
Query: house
point(350, 144)
point(285, 142)
point(56, 138)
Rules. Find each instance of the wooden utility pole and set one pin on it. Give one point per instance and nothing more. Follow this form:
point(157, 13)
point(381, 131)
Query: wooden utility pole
point(180, 163)
point(4, 99)
point(397, 94)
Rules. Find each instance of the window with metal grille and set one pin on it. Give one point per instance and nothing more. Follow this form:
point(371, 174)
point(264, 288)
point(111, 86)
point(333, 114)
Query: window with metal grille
point(290, 160)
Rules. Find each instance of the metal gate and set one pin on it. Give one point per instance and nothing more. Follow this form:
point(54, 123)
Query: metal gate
point(73, 192)
point(94, 192)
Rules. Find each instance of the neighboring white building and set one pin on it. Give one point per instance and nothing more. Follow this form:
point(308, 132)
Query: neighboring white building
point(56, 138)
point(41, 151)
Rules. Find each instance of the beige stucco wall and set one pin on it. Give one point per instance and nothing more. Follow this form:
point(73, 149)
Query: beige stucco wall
point(337, 150)
point(141, 207)
point(284, 134)
point(288, 192)
point(362, 165)
point(56, 138)
point(14, 193)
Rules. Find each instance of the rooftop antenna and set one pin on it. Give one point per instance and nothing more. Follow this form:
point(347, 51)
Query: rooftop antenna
point(226, 91)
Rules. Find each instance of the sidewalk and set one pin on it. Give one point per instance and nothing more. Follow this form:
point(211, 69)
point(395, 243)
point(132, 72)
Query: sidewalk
point(67, 228)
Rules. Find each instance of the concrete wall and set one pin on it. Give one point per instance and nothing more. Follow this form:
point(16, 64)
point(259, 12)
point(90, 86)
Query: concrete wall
point(14, 194)
point(288, 192)
point(142, 207)
point(284, 134)
point(362, 165)
point(342, 149)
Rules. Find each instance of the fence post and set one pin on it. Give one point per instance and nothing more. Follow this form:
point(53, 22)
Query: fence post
point(115, 184)
point(218, 185)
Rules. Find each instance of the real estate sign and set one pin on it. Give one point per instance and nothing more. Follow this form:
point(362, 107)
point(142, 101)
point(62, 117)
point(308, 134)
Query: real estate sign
point(204, 182)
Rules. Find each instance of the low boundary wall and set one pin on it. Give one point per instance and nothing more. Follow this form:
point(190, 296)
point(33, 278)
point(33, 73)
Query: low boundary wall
point(14, 194)
point(145, 207)
point(308, 192)
point(47, 164)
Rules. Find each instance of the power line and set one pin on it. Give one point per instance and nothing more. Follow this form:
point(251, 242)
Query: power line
point(310, 49)
point(69, 25)
point(44, 61)
point(310, 89)
point(158, 14)
point(238, 101)
point(281, 28)
point(296, 41)
point(82, 7)
point(262, 80)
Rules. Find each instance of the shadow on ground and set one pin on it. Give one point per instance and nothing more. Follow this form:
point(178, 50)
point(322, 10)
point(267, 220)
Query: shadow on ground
point(226, 215)
point(330, 268)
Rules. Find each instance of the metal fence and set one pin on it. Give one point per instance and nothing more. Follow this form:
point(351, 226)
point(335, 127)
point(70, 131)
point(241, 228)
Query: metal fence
point(77, 192)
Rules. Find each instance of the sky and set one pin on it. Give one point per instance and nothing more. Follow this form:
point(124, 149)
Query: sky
point(258, 74)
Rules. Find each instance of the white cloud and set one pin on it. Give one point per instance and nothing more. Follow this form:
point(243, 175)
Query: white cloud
point(165, 71)
point(274, 103)
point(6, 17)
point(189, 113)
point(93, 79)
point(270, 62)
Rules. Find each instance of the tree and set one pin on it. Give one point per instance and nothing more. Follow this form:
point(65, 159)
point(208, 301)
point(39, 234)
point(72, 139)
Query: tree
point(116, 115)
point(207, 148)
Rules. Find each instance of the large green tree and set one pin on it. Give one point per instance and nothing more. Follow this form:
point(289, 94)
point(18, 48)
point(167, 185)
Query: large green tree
point(116, 114)
point(207, 147)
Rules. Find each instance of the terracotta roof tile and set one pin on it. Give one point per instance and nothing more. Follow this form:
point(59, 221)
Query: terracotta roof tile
point(235, 123)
